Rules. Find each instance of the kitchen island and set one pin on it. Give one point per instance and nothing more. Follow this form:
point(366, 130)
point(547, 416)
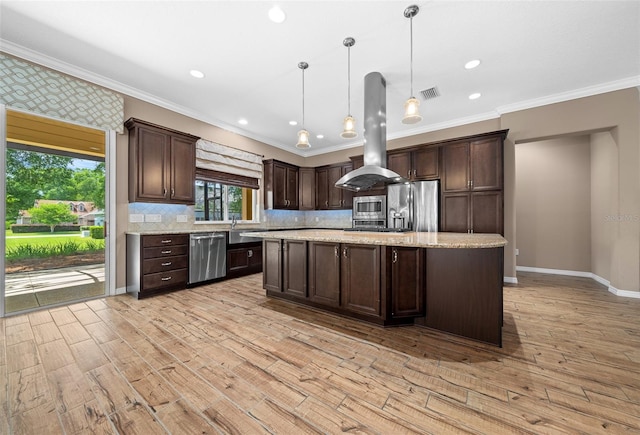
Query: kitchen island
point(450, 282)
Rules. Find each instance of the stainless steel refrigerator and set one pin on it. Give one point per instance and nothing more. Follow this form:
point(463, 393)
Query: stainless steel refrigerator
point(413, 206)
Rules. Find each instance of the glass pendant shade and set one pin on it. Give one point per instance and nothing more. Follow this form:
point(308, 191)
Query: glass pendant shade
point(411, 111)
point(303, 139)
point(349, 128)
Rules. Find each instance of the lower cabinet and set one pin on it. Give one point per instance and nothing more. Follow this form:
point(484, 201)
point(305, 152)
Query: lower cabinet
point(244, 260)
point(294, 268)
point(405, 272)
point(356, 280)
point(360, 279)
point(157, 263)
point(324, 273)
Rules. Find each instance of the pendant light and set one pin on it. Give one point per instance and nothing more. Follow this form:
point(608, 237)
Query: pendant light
point(411, 106)
point(349, 124)
point(303, 135)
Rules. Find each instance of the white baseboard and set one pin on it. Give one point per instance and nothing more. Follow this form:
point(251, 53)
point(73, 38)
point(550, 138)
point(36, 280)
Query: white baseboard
point(511, 280)
point(601, 280)
point(120, 291)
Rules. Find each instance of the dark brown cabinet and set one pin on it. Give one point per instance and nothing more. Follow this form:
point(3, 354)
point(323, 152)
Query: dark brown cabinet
point(328, 196)
point(307, 189)
point(272, 265)
point(294, 268)
point(244, 260)
point(324, 273)
point(161, 164)
point(360, 279)
point(405, 271)
point(472, 186)
point(281, 185)
point(156, 263)
point(472, 166)
point(418, 164)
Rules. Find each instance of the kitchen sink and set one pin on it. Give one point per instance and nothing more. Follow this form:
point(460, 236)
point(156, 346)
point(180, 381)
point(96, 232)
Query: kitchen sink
point(235, 238)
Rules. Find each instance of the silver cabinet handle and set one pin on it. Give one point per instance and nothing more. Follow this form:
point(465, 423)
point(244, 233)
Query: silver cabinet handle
point(168, 263)
point(168, 278)
point(471, 183)
point(173, 192)
point(336, 250)
point(249, 253)
point(166, 241)
point(344, 252)
point(164, 191)
point(166, 252)
point(326, 203)
point(395, 255)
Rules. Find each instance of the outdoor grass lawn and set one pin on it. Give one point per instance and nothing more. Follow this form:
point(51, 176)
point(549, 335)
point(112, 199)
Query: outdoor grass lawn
point(39, 239)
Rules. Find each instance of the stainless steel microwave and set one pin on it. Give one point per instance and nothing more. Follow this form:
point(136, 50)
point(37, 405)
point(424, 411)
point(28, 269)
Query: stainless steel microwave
point(370, 207)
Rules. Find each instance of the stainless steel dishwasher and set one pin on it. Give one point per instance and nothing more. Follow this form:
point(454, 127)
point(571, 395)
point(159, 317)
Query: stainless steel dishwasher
point(207, 256)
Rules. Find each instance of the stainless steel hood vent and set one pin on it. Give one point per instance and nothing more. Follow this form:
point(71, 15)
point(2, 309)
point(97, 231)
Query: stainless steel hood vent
point(375, 140)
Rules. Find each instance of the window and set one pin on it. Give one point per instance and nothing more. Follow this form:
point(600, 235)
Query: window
point(218, 202)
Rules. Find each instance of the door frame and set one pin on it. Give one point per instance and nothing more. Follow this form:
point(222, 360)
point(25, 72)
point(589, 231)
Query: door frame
point(110, 203)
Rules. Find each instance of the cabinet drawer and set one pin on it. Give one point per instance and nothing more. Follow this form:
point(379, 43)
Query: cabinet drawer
point(165, 240)
point(164, 264)
point(172, 278)
point(165, 251)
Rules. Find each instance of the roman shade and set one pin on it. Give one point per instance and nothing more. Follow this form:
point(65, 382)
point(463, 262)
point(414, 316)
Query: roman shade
point(42, 91)
point(226, 164)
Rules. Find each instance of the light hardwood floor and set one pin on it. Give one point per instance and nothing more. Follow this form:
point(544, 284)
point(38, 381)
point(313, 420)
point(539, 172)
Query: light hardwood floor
point(223, 358)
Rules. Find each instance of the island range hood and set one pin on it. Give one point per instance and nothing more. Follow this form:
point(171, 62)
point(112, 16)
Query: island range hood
point(375, 140)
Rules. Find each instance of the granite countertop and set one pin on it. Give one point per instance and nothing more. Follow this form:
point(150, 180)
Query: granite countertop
point(414, 239)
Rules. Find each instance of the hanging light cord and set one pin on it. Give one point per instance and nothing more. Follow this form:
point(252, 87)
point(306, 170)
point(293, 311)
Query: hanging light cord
point(303, 99)
point(349, 80)
point(411, 56)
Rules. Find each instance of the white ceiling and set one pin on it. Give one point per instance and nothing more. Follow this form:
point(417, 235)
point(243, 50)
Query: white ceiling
point(532, 53)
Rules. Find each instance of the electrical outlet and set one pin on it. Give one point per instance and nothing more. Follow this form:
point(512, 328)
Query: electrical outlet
point(296, 218)
point(181, 218)
point(136, 217)
point(317, 219)
point(153, 218)
point(517, 251)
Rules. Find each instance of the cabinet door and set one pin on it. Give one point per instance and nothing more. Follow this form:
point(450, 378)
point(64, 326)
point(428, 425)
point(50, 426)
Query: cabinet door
point(279, 186)
point(360, 279)
point(322, 189)
point(347, 195)
point(183, 170)
point(486, 164)
point(271, 265)
point(294, 268)
point(455, 158)
point(486, 212)
point(407, 282)
point(307, 190)
point(153, 165)
point(324, 273)
point(455, 213)
point(400, 163)
point(426, 163)
point(292, 188)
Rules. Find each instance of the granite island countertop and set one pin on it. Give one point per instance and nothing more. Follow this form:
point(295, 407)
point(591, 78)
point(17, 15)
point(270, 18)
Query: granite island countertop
point(413, 239)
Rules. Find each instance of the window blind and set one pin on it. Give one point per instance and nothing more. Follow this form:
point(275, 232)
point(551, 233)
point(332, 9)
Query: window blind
point(219, 158)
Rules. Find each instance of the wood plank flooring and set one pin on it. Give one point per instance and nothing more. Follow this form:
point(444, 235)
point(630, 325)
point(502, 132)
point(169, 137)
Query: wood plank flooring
point(222, 358)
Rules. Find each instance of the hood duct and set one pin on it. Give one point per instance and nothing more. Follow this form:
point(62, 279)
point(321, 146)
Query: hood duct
point(375, 140)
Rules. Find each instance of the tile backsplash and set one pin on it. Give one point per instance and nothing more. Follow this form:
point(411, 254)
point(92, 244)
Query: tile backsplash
point(173, 217)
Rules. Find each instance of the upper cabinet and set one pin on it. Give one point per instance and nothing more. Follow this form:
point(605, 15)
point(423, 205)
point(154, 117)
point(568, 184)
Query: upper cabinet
point(281, 185)
point(328, 196)
point(162, 164)
point(417, 164)
point(307, 189)
point(473, 166)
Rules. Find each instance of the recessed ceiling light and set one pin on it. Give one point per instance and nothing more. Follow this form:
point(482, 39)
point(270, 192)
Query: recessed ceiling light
point(277, 15)
point(293, 122)
point(243, 121)
point(475, 96)
point(320, 136)
point(472, 64)
point(197, 74)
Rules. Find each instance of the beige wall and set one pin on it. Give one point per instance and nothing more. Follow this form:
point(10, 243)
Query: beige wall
point(553, 204)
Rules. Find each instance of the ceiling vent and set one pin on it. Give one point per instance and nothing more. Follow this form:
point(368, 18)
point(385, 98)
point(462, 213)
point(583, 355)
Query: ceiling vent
point(430, 93)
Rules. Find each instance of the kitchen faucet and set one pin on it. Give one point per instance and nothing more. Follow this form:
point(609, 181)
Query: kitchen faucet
point(233, 222)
